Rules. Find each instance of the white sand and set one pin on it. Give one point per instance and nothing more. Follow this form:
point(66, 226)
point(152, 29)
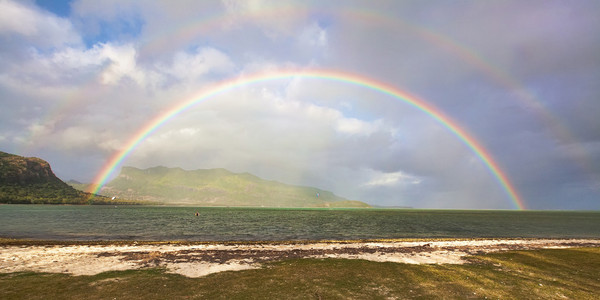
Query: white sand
point(203, 259)
point(199, 269)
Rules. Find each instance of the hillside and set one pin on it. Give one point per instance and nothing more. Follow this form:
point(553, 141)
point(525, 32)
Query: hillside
point(215, 187)
point(30, 180)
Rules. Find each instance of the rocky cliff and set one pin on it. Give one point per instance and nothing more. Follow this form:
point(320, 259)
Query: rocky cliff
point(20, 170)
point(30, 180)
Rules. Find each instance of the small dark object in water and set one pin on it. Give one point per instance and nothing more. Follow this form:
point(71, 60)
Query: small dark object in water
point(197, 214)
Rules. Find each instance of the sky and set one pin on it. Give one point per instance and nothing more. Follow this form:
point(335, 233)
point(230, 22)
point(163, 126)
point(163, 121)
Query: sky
point(80, 79)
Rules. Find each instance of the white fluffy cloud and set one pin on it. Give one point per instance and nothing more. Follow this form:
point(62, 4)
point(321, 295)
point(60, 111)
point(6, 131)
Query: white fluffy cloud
point(37, 27)
point(122, 63)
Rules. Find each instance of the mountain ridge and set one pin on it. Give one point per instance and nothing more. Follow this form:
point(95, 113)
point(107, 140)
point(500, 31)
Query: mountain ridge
point(215, 187)
point(30, 180)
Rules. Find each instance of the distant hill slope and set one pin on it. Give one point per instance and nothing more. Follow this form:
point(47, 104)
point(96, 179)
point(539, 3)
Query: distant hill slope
point(30, 180)
point(215, 187)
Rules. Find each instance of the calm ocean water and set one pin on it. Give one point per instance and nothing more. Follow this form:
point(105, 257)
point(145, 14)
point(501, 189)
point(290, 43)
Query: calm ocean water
point(244, 224)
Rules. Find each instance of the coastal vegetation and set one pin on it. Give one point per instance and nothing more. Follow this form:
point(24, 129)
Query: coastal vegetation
point(30, 180)
point(528, 274)
point(214, 187)
point(27, 180)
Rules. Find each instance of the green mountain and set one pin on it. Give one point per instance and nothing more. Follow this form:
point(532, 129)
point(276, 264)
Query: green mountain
point(215, 187)
point(30, 180)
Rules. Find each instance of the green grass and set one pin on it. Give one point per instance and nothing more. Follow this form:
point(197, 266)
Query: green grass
point(547, 274)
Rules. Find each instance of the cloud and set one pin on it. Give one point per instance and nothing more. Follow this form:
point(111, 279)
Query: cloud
point(391, 179)
point(261, 126)
point(314, 36)
point(122, 63)
point(354, 126)
point(70, 66)
point(275, 18)
point(75, 89)
point(31, 25)
point(204, 60)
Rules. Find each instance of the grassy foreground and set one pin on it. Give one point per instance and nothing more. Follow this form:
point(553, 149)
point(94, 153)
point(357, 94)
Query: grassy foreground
point(547, 274)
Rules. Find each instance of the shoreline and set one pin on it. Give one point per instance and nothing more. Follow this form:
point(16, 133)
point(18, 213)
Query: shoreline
point(8, 241)
point(196, 259)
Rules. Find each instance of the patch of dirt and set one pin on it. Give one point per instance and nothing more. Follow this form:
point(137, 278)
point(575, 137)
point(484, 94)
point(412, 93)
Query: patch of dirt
point(201, 259)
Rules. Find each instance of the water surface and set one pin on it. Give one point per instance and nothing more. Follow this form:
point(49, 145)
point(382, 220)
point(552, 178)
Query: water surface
point(261, 224)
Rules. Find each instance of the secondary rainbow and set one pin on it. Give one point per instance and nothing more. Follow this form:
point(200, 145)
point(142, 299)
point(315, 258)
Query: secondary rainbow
point(332, 75)
point(182, 33)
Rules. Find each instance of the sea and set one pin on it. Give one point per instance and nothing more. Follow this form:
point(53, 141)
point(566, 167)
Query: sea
point(161, 223)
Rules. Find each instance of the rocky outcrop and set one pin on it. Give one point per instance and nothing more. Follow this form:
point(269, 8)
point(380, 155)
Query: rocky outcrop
point(30, 180)
point(20, 170)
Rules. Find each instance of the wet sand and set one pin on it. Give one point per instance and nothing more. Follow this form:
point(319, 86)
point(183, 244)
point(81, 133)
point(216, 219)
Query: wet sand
point(200, 259)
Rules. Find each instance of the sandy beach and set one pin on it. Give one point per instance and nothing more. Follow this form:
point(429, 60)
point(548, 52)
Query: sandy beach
point(196, 260)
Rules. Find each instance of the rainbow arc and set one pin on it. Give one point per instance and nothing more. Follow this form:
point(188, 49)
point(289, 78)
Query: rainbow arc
point(322, 74)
